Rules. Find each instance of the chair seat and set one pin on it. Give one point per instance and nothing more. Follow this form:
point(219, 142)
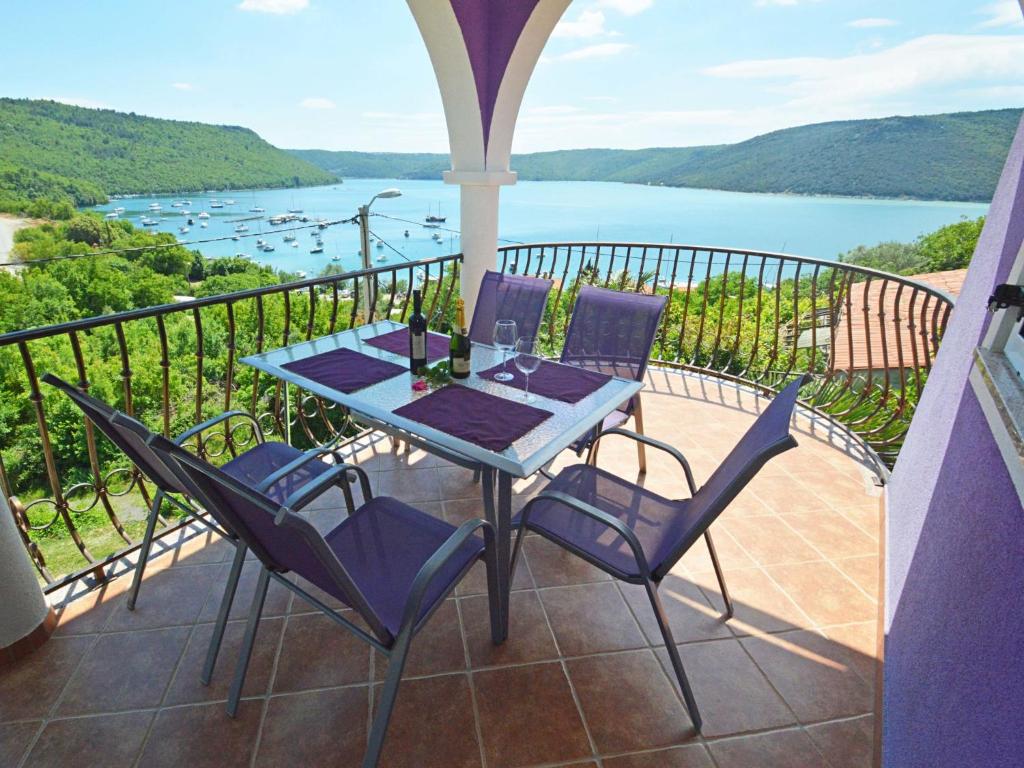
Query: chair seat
point(259, 462)
point(660, 524)
point(384, 545)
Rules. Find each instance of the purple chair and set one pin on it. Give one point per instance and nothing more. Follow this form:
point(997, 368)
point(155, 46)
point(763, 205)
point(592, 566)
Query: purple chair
point(389, 562)
point(614, 332)
point(584, 507)
point(508, 297)
point(275, 467)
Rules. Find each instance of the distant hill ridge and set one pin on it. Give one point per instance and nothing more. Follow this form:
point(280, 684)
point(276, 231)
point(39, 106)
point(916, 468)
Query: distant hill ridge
point(955, 156)
point(127, 153)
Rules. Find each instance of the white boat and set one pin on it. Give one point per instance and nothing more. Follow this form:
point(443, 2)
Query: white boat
point(335, 258)
point(183, 230)
point(241, 228)
point(294, 210)
point(295, 245)
point(318, 249)
point(119, 209)
point(382, 257)
point(260, 242)
point(268, 248)
point(148, 222)
point(229, 202)
point(257, 209)
point(436, 237)
point(154, 206)
point(289, 238)
point(177, 204)
point(204, 215)
point(204, 225)
point(380, 244)
point(236, 238)
point(242, 256)
point(216, 204)
point(111, 215)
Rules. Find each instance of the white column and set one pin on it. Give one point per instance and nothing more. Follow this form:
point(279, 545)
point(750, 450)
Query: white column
point(479, 226)
point(22, 605)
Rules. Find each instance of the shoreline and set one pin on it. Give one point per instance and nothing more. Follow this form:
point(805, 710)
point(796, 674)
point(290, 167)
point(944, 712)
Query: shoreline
point(9, 224)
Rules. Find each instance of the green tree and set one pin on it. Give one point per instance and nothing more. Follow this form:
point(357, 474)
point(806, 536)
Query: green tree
point(84, 229)
point(952, 246)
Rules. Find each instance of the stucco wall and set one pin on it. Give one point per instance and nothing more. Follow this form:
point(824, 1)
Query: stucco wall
point(954, 652)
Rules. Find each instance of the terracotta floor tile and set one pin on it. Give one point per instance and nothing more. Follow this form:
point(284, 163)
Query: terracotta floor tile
point(90, 611)
point(201, 547)
point(444, 738)
point(315, 728)
point(846, 743)
point(867, 517)
point(831, 533)
point(823, 593)
point(628, 702)
point(435, 649)
point(276, 604)
point(410, 485)
point(770, 541)
point(457, 483)
point(458, 511)
point(90, 742)
point(186, 688)
point(784, 493)
point(30, 687)
point(814, 675)
point(528, 716)
point(317, 653)
point(167, 598)
point(732, 694)
point(14, 740)
point(690, 616)
point(475, 582)
point(779, 749)
point(130, 670)
point(862, 642)
point(691, 756)
point(747, 504)
point(529, 638)
point(203, 736)
point(863, 571)
point(698, 558)
point(553, 566)
point(838, 488)
point(591, 618)
point(759, 605)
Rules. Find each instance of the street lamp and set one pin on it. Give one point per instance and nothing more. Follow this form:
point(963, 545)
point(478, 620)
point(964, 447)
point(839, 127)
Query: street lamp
point(364, 243)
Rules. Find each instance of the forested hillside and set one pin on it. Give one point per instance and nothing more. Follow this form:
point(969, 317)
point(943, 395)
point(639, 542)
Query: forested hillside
point(123, 153)
point(935, 157)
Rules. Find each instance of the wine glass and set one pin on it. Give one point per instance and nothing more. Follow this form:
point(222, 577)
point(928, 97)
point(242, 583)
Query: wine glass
point(527, 361)
point(505, 340)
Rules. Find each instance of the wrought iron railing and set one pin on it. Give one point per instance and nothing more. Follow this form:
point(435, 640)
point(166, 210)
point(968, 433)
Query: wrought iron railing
point(867, 337)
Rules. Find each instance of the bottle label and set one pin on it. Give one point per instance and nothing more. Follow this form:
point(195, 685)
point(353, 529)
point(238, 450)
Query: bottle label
point(419, 346)
point(460, 364)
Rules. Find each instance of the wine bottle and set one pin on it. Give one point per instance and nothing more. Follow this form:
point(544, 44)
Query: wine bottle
point(459, 347)
point(417, 335)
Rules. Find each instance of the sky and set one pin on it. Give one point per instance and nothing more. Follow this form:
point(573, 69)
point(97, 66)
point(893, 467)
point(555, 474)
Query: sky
point(348, 74)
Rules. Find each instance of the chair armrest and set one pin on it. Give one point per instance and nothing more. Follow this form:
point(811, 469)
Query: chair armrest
point(315, 488)
point(674, 452)
point(199, 428)
point(437, 561)
point(296, 464)
point(596, 514)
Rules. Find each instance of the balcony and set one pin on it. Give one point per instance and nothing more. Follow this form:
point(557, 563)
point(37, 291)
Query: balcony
point(789, 680)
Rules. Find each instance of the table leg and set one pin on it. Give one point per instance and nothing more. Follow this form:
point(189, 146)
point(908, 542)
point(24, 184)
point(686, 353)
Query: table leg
point(500, 516)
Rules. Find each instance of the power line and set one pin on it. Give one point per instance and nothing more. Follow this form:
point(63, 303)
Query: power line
point(389, 245)
point(444, 229)
point(184, 244)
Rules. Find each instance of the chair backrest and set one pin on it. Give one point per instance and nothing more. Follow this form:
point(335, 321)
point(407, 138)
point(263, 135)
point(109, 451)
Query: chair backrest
point(508, 297)
point(282, 540)
point(767, 437)
point(131, 442)
point(613, 332)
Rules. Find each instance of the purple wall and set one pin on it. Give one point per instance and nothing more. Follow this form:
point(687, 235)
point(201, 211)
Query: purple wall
point(491, 31)
point(954, 650)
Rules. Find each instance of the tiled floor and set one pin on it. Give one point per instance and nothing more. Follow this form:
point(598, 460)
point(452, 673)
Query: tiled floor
point(582, 680)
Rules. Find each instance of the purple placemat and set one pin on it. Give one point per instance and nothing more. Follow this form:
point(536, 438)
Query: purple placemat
point(398, 342)
point(567, 383)
point(491, 422)
point(345, 369)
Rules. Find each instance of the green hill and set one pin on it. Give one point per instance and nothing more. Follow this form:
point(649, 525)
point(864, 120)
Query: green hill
point(955, 156)
point(125, 153)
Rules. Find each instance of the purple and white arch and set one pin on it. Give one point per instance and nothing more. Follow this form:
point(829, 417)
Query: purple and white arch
point(483, 53)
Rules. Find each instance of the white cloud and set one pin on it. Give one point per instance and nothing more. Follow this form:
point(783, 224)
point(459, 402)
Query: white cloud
point(77, 101)
point(316, 102)
point(1004, 13)
point(588, 24)
point(627, 7)
point(599, 51)
point(182, 86)
point(871, 23)
point(279, 7)
point(864, 79)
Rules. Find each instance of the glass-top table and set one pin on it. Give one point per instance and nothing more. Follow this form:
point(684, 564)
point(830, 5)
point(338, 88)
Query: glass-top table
point(376, 404)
